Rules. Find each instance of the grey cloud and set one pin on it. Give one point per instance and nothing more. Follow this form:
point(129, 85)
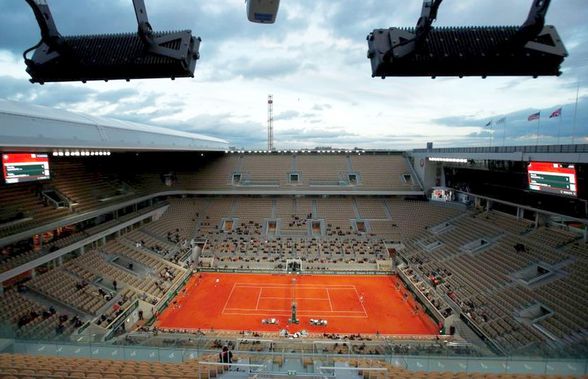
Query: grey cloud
point(51, 94)
point(19, 30)
point(256, 68)
point(482, 134)
point(320, 107)
point(60, 95)
point(116, 95)
point(242, 133)
point(287, 115)
point(461, 121)
point(13, 88)
point(517, 127)
point(292, 115)
point(313, 134)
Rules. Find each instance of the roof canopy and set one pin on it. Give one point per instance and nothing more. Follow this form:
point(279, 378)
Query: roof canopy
point(33, 127)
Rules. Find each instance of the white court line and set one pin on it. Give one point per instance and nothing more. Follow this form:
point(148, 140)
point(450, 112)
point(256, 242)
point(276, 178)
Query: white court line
point(360, 302)
point(258, 298)
point(305, 286)
point(288, 310)
point(331, 313)
point(297, 298)
point(228, 298)
point(285, 313)
point(289, 285)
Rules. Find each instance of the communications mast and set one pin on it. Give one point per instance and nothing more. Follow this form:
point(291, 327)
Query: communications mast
point(270, 122)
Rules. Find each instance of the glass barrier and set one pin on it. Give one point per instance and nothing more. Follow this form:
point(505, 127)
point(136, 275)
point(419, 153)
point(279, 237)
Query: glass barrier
point(469, 364)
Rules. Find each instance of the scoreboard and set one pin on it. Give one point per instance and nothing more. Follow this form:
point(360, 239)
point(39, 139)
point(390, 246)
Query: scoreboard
point(18, 168)
point(555, 178)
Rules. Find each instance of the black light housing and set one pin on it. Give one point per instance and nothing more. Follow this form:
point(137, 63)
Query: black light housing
point(141, 55)
point(532, 49)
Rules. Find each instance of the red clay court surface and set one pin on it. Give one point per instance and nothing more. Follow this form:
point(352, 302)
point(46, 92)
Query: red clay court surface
point(241, 301)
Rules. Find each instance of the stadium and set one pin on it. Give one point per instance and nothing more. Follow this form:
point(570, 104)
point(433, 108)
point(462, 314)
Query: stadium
point(135, 250)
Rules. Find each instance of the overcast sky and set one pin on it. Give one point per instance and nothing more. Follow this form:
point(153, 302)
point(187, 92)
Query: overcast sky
point(313, 61)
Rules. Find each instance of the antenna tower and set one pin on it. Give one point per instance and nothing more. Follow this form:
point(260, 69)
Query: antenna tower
point(270, 122)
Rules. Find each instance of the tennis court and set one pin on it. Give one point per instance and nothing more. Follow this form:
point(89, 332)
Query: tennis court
point(350, 304)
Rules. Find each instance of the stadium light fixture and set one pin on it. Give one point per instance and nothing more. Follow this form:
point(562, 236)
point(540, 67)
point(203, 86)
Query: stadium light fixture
point(140, 55)
point(262, 11)
point(451, 160)
point(532, 49)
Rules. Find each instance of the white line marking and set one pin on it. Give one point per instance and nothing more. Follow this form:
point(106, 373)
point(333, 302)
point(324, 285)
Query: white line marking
point(360, 302)
point(258, 298)
point(305, 286)
point(288, 310)
point(228, 298)
point(305, 312)
point(285, 314)
point(297, 298)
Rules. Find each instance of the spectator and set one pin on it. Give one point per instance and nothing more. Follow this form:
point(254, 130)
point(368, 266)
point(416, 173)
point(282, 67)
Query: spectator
point(226, 356)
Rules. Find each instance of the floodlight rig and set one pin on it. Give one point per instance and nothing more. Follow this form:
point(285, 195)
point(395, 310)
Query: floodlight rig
point(532, 49)
point(141, 55)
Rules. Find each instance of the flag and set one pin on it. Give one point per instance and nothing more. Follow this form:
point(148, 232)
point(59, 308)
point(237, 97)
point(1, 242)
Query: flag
point(555, 113)
point(534, 116)
point(489, 123)
point(501, 120)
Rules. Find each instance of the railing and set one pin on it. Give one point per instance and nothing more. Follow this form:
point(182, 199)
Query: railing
point(327, 183)
point(468, 364)
point(432, 310)
point(413, 172)
point(120, 319)
point(56, 198)
point(304, 271)
point(510, 149)
point(172, 292)
point(76, 243)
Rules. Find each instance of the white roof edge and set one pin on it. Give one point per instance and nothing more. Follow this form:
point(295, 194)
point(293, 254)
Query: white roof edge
point(33, 110)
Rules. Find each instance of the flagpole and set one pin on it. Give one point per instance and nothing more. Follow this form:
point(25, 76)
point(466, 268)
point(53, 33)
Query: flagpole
point(559, 125)
point(491, 134)
point(504, 133)
point(538, 122)
point(575, 112)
